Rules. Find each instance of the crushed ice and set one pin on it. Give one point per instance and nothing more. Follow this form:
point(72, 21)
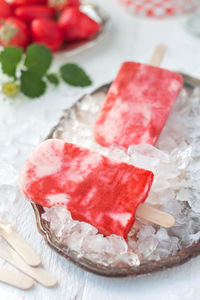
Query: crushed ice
point(175, 162)
point(83, 238)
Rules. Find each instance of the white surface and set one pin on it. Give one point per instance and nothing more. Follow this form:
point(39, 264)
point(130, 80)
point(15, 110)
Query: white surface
point(27, 122)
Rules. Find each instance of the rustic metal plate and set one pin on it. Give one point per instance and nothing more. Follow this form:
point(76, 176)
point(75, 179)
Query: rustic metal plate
point(145, 267)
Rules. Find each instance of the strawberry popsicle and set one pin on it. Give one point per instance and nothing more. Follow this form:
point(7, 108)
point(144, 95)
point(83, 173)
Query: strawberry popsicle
point(137, 105)
point(94, 188)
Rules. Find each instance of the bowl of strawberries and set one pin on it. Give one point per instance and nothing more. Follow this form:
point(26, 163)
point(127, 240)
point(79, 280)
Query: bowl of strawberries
point(60, 25)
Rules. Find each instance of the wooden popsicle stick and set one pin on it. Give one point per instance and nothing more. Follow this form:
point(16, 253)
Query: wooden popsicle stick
point(39, 274)
point(19, 244)
point(18, 280)
point(147, 212)
point(158, 56)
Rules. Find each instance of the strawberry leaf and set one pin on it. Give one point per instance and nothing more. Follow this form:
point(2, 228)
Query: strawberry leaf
point(74, 75)
point(38, 59)
point(31, 84)
point(53, 78)
point(9, 58)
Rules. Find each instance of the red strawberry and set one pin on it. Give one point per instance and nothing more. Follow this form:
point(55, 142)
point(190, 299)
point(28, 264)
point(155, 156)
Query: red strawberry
point(15, 3)
point(60, 5)
point(5, 10)
point(28, 13)
point(14, 32)
point(47, 32)
point(76, 25)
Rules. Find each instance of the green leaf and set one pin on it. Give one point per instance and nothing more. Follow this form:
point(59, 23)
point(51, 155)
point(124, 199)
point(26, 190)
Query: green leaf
point(74, 75)
point(38, 59)
point(53, 78)
point(31, 84)
point(9, 58)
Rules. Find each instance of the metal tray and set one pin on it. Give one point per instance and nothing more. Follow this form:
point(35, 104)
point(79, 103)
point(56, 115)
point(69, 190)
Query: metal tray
point(145, 267)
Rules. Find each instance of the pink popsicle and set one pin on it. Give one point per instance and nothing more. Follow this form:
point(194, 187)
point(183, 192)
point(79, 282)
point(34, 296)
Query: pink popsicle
point(137, 105)
point(94, 188)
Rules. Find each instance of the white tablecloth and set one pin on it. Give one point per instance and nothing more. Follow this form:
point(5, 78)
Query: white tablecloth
point(25, 123)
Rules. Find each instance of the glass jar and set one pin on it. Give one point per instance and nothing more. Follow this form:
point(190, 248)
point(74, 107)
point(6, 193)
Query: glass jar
point(160, 8)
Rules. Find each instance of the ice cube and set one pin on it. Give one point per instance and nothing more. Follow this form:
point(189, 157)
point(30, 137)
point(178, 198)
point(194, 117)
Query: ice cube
point(74, 241)
point(118, 153)
point(143, 161)
point(116, 245)
point(57, 214)
point(145, 232)
point(150, 151)
point(95, 244)
point(166, 144)
point(193, 200)
point(147, 246)
point(182, 156)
